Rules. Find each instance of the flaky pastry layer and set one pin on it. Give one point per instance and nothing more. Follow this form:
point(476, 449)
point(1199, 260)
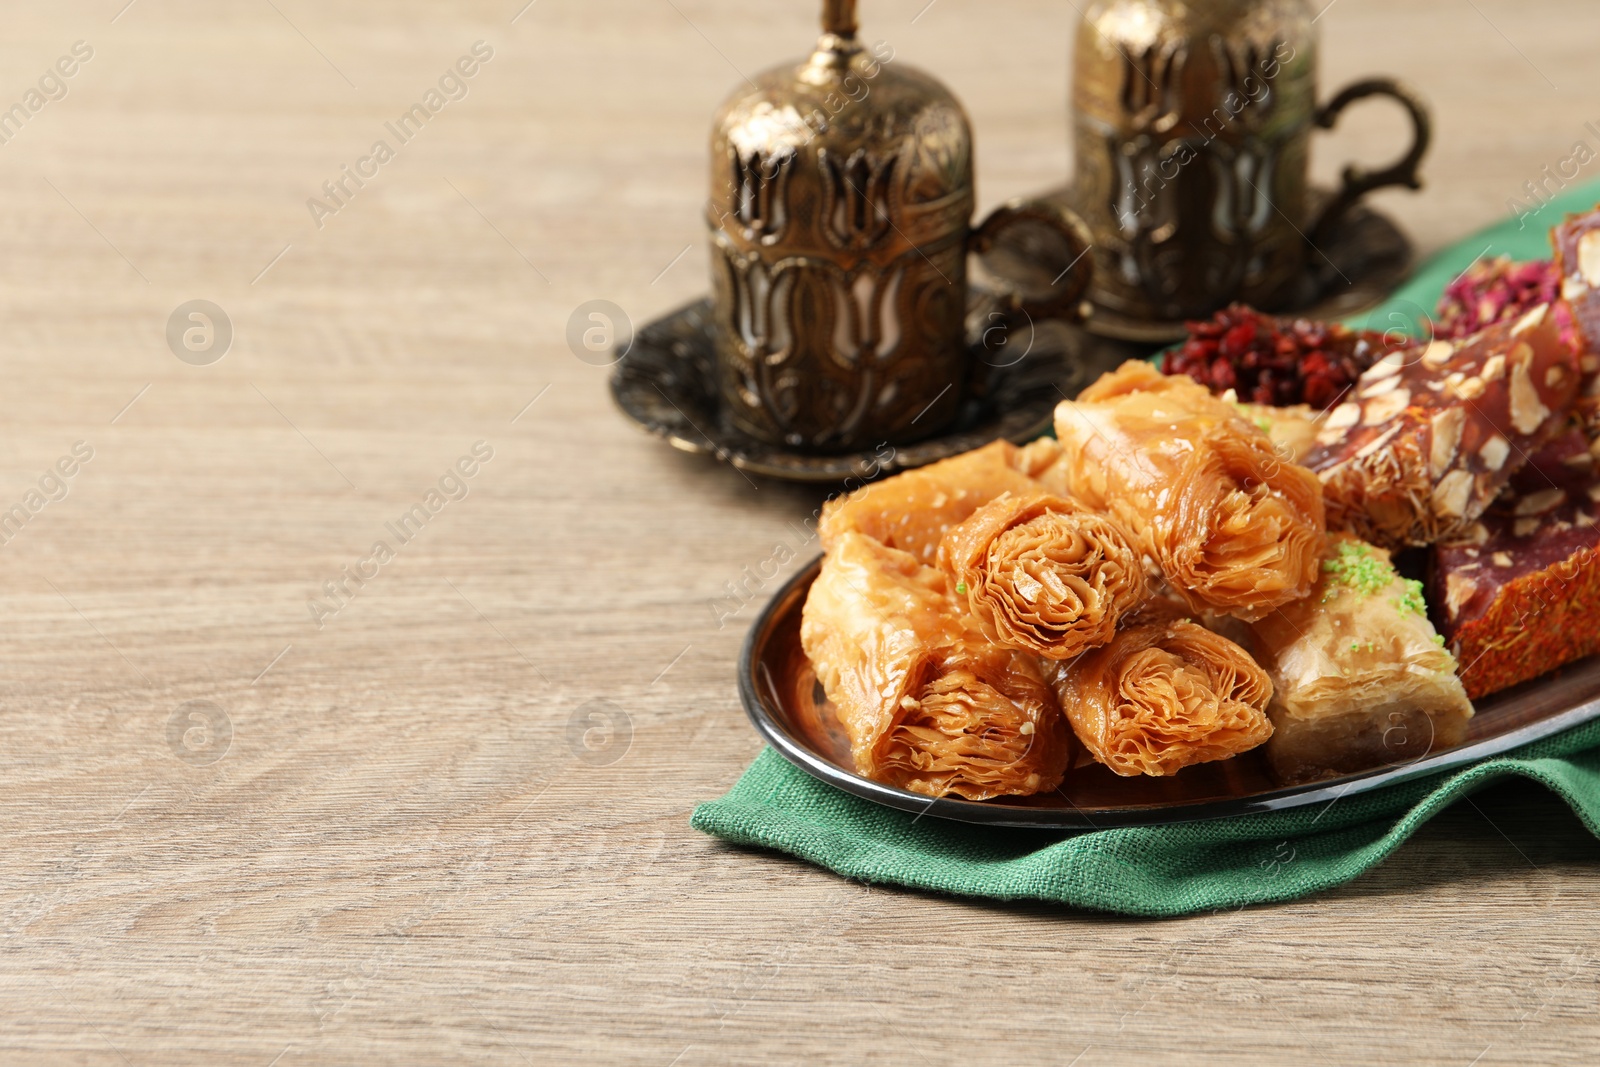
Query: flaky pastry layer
point(1234, 526)
point(928, 702)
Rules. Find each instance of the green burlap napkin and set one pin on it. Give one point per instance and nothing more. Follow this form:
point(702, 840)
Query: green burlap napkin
point(1186, 867)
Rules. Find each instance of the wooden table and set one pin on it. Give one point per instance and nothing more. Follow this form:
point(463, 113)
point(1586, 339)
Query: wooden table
point(237, 829)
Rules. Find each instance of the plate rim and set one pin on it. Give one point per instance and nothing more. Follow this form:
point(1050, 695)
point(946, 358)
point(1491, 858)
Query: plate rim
point(989, 813)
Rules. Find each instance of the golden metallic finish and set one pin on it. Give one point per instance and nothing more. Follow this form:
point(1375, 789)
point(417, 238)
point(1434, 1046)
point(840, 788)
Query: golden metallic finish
point(1191, 130)
point(839, 18)
point(840, 218)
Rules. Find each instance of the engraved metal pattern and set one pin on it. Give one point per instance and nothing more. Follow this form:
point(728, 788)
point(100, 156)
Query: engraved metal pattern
point(840, 213)
point(1192, 126)
point(841, 224)
point(666, 383)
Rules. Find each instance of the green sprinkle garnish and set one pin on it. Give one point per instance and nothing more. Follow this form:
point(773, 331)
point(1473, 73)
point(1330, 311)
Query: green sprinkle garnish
point(1264, 425)
point(1438, 639)
point(1411, 601)
point(961, 588)
point(1356, 568)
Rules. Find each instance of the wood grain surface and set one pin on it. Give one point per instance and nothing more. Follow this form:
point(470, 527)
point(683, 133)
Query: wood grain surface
point(448, 821)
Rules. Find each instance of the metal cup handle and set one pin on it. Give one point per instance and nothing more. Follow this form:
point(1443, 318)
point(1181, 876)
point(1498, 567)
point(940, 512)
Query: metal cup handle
point(1061, 297)
point(1358, 181)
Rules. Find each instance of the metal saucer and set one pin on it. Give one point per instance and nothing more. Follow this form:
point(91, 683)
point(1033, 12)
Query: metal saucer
point(664, 383)
point(1367, 259)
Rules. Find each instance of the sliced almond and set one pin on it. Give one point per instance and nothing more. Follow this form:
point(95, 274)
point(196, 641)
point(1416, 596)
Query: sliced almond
point(1447, 426)
point(1379, 442)
point(1530, 320)
point(1572, 288)
point(1339, 420)
point(1525, 527)
point(1527, 410)
point(1501, 559)
point(1451, 494)
point(1555, 376)
point(1594, 492)
point(1471, 388)
point(1494, 452)
point(1386, 367)
point(1495, 368)
point(1380, 410)
point(1540, 502)
point(1379, 387)
point(1583, 519)
point(1458, 589)
point(1477, 533)
point(1589, 257)
point(1437, 354)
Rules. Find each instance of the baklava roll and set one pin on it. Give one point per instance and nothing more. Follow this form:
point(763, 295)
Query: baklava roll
point(1292, 430)
point(1163, 695)
point(929, 704)
point(1360, 678)
point(912, 511)
point(1043, 573)
point(1234, 526)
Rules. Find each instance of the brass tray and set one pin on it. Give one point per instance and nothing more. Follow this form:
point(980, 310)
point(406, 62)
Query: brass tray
point(783, 699)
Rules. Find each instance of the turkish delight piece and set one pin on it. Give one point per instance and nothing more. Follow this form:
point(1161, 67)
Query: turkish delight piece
point(1359, 677)
point(1516, 593)
point(1577, 245)
point(1431, 435)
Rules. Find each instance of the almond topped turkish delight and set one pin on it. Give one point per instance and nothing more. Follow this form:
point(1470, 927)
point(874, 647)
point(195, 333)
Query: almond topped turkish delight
point(1517, 591)
point(1430, 435)
point(1577, 245)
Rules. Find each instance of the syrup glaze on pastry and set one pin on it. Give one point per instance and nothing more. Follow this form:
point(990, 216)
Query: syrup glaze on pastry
point(1163, 695)
point(1043, 574)
point(928, 702)
point(1233, 527)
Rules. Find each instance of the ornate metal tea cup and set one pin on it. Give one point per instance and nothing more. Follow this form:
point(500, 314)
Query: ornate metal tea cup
point(841, 223)
point(1192, 128)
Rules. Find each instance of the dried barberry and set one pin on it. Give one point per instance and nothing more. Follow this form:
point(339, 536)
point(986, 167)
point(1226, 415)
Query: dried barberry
point(1267, 360)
